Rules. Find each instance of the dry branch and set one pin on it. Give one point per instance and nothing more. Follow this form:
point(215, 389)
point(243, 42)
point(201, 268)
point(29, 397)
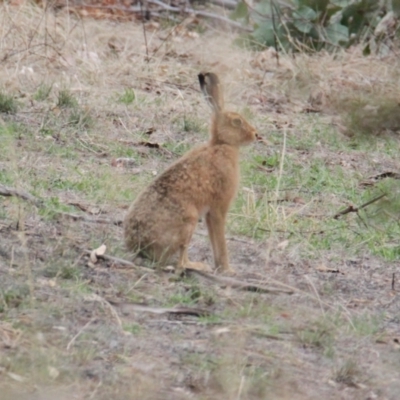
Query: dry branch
point(82, 217)
point(120, 261)
point(8, 191)
point(194, 311)
point(237, 284)
point(352, 208)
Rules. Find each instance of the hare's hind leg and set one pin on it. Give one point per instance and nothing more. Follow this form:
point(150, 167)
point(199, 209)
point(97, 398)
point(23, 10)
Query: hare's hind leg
point(185, 263)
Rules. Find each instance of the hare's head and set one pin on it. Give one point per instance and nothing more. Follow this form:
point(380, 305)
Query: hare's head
point(227, 127)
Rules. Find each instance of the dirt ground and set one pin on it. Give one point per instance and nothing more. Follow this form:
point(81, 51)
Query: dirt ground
point(74, 327)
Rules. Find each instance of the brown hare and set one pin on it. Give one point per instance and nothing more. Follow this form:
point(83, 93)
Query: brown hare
point(161, 221)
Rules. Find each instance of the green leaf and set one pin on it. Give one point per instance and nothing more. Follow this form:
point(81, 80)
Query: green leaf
point(337, 33)
point(303, 18)
point(265, 33)
point(341, 3)
point(396, 7)
point(262, 11)
point(241, 11)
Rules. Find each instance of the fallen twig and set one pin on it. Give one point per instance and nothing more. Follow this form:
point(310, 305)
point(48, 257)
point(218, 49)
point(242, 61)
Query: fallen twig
point(375, 178)
point(9, 191)
point(107, 304)
point(120, 261)
point(72, 341)
point(83, 217)
point(237, 284)
point(233, 239)
point(352, 208)
point(196, 312)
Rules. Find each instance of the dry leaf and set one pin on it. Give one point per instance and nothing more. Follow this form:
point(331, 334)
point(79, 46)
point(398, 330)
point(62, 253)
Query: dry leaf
point(324, 268)
point(16, 377)
point(53, 372)
point(123, 162)
point(100, 251)
point(283, 245)
point(221, 331)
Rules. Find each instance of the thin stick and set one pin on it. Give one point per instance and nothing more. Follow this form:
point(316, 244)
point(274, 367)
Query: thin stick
point(273, 9)
point(121, 261)
point(9, 191)
point(316, 294)
point(144, 31)
point(352, 208)
point(234, 239)
point(96, 297)
point(174, 28)
point(71, 342)
point(83, 217)
point(281, 163)
point(193, 311)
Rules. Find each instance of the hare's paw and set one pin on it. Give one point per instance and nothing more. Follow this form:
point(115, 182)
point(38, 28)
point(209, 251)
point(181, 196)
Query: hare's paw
point(199, 266)
point(226, 271)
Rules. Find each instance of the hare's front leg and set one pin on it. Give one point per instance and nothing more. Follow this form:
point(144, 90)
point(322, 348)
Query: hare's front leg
point(216, 230)
point(184, 262)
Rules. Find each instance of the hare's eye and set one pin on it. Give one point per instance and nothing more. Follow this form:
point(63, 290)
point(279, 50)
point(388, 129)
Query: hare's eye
point(237, 122)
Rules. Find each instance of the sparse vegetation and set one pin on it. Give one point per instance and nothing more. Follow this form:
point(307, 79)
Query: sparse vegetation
point(66, 99)
point(43, 92)
point(7, 103)
point(128, 97)
point(312, 25)
point(74, 327)
point(348, 373)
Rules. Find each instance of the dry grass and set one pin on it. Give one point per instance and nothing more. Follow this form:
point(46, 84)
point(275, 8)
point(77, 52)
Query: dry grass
point(86, 98)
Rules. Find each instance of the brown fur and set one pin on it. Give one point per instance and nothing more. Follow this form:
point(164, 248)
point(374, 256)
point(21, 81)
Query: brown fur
point(204, 181)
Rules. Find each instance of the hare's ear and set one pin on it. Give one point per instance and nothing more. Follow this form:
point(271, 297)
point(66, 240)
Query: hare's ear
point(209, 85)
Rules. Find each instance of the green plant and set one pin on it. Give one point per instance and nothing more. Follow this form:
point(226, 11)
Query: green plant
point(66, 99)
point(81, 118)
point(7, 104)
point(13, 296)
point(320, 335)
point(127, 97)
point(43, 92)
point(316, 24)
point(134, 329)
point(191, 124)
point(347, 373)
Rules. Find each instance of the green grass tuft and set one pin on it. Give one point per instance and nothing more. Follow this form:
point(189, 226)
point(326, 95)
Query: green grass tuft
point(128, 97)
point(7, 104)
